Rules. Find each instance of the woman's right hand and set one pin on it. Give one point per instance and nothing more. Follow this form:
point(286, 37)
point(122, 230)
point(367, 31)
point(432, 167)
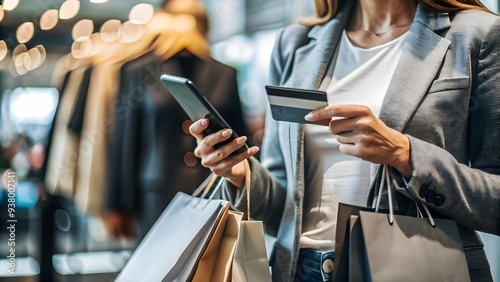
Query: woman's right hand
point(219, 160)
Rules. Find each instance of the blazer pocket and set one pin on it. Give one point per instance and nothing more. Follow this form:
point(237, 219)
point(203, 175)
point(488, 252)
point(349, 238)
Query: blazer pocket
point(444, 84)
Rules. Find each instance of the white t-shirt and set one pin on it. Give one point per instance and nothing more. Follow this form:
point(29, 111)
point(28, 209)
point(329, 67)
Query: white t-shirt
point(357, 76)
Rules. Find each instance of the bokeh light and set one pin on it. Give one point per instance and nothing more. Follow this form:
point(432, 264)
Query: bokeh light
point(131, 32)
point(190, 159)
point(96, 43)
point(19, 60)
point(109, 30)
point(3, 50)
point(25, 32)
point(49, 19)
point(185, 126)
point(141, 13)
point(21, 48)
point(43, 53)
point(81, 47)
point(83, 28)
point(69, 9)
point(9, 5)
point(35, 58)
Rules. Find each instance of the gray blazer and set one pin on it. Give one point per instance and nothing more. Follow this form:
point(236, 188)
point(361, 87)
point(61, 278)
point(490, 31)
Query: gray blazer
point(444, 95)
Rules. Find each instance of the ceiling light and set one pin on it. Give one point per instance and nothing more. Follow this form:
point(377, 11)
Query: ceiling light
point(3, 50)
point(9, 5)
point(109, 30)
point(69, 9)
point(25, 32)
point(98, 1)
point(131, 32)
point(83, 28)
point(49, 19)
point(141, 13)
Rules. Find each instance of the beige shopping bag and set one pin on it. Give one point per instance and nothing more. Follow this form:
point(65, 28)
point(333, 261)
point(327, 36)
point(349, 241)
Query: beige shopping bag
point(224, 262)
point(206, 263)
point(250, 259)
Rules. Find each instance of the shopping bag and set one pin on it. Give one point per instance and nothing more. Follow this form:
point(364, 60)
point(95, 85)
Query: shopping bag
point(174, 245)
point(222, 271)
point(388, 247)
point(412, 249)
point(250, 259)
point(205, 266)
point(344, 213)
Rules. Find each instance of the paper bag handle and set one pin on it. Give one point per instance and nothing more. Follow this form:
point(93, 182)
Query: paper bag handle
point(205, 186)
point(386, 177)
point(248, 177)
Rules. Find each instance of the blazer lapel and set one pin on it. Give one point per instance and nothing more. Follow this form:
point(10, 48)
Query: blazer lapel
point(422, 56)
point(419, 64)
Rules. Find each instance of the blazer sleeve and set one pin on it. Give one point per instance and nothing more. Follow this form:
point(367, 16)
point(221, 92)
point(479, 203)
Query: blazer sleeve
point(268, 180)
point(468, 194)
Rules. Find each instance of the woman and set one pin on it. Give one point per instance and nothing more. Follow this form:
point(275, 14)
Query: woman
point(414, 85)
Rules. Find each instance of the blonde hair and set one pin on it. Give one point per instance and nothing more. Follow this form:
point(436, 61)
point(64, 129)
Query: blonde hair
point(326, 9)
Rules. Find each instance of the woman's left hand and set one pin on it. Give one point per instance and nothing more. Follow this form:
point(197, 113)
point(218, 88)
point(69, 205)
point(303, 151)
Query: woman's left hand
point(362, 135)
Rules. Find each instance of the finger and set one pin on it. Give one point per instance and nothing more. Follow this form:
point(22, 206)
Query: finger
point(348, 138)
point(340, 126)
point(224, 166)
point(196, 129)
point(328, 112)
point(348, 149)
point(206, 144)
point(224, 151)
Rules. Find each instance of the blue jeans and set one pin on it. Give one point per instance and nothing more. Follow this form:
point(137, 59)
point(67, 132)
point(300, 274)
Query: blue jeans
point(313, 266)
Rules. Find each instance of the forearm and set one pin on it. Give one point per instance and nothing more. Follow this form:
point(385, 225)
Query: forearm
point(468, 195)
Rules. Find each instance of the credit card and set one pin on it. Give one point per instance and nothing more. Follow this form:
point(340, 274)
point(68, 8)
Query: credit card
point(293, 104)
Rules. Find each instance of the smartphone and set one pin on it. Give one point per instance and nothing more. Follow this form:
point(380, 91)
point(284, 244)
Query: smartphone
point(198, 107)
point(293, 104)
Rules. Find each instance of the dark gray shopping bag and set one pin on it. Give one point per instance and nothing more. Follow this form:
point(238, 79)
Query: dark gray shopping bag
point(174, 245)
point(388, 247)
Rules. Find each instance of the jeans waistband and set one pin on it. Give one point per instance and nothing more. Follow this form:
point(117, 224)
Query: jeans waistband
point(318, 262)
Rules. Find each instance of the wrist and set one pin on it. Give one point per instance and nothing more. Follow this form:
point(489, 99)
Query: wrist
point(237, 175)
point(402, 160)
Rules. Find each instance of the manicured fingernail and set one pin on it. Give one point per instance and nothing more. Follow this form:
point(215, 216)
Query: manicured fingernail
point(241, 140)
point(226, 133)
point(309, 116)
point(254, 150)
point(204, 122)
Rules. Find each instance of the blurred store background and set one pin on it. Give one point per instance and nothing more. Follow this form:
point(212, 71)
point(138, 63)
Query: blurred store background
point(66, 62)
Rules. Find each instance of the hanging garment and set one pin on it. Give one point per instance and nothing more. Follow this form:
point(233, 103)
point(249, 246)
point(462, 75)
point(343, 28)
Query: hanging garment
point(59, 81)
point(63, 156)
